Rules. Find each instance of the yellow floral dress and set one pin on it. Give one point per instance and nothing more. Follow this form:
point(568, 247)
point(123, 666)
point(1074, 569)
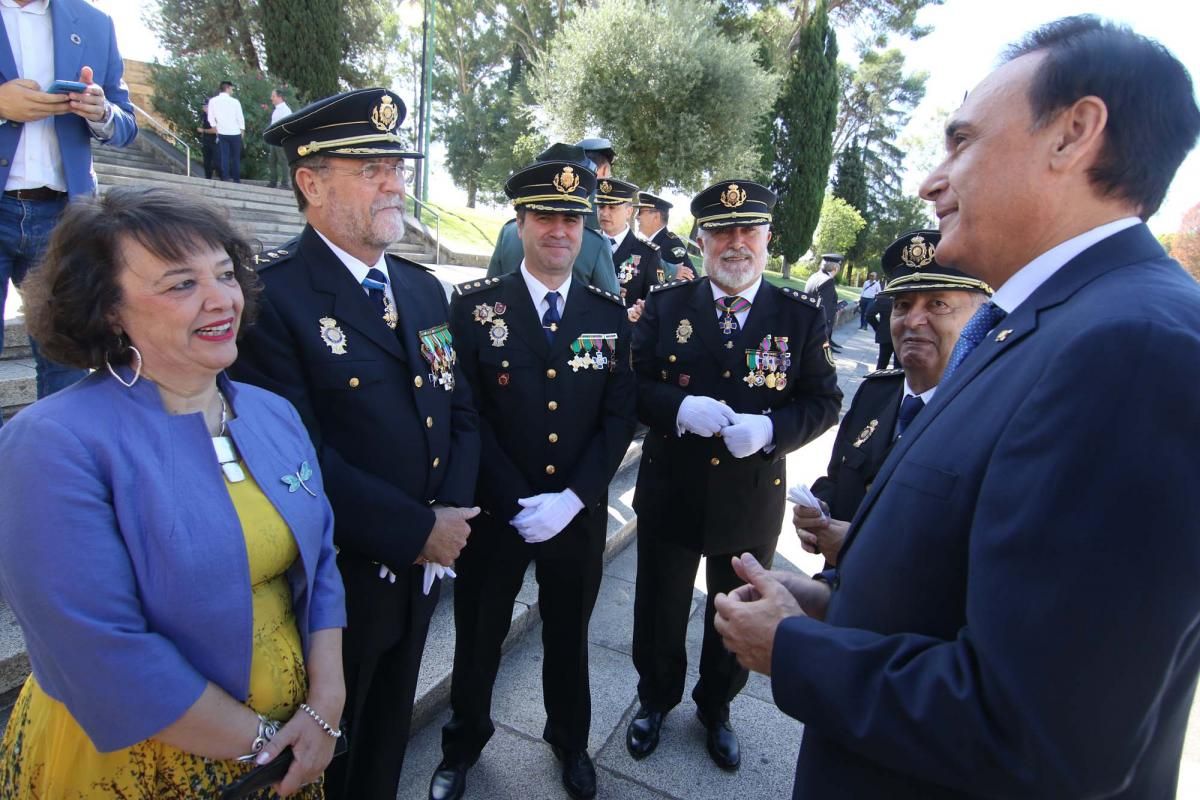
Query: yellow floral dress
point(45, 754)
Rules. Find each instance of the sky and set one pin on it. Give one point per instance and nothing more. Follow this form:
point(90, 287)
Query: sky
point(967, 38)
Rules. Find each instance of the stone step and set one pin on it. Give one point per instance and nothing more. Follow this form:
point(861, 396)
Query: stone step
point(241, 190)
point(18, 386)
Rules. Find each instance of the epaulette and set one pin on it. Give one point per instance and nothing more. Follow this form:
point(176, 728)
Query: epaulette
point(883, 373)
point(662, 287)
point(408, 262)
point(801, 297)
point(470, 287)
point(269, 258)
point(646, 241)
point(616, 298)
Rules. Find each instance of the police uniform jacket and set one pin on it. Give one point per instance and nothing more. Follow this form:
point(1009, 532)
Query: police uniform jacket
point(863, 442)
point(593, 266)
point(546, 425)
point(690, 489)
point(880, 317)
point(673, 251)
point(392, 441)
point(638, 267)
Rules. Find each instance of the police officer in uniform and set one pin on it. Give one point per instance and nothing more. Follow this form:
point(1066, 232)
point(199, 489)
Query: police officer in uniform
point(733, 355)
point(653, 213)
point(593, 265)
point(359, 342)
point(822, 284)
point(637, 263)
point(879, 318)
point(547, 357)
point(932, 303)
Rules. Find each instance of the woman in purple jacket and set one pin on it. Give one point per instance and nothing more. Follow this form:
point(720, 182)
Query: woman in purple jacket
point(165, 542)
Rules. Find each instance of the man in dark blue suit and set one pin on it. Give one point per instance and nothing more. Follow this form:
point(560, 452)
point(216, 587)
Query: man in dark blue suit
point(1016, 611)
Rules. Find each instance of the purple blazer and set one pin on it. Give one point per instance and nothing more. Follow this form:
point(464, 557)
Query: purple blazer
point(123, 559)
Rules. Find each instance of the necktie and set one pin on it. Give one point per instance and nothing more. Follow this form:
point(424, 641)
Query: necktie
point(551, 318)
point(728, 323)
point(909, 409)
point(612, 243)
point(985, 318)
point(375, 283)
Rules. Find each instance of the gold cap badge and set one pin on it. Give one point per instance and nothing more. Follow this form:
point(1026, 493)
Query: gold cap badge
point(733, 196)
point(917, 253)
point(386, 115)
point(606, 187)
point(566, 181)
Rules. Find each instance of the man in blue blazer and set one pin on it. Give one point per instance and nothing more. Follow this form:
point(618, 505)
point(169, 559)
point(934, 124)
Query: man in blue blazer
point(45, 139)
point(1016, 611)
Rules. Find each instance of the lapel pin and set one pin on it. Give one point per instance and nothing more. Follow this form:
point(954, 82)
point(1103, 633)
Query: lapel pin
point(297, 480)
point(1002, 335)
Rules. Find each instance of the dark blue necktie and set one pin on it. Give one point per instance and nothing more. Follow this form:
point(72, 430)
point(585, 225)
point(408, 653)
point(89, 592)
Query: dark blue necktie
point(909, 409)
point(985, 318)
point(375, 283)
point(551, 318)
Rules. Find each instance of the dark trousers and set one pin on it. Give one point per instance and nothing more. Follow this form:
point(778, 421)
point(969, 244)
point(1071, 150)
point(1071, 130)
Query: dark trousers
point(208, 152)
point(490, 571)
point(231, 157)
point(25, 228)
point(864, 308)
point(886, 353)
point(661, 608)
point(380, 687)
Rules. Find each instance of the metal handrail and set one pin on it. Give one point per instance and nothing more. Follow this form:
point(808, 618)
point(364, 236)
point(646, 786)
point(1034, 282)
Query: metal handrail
point(163, 129)
point(437, 222)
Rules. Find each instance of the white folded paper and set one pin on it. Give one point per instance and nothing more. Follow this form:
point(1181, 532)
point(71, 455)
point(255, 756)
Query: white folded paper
point(801, 495)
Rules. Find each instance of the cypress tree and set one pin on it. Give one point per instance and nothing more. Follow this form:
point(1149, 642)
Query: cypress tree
point(303, 40)
point(850, 184)
point(806, 114)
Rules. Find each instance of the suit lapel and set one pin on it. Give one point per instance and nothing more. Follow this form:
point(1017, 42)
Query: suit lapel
point(523, 315)
point(351, 305)
point(68, 53)
point(705, 321)
point(1130, 246)
point(575, 320)
point(408, 325)
point(8, 64)
point(760, 322)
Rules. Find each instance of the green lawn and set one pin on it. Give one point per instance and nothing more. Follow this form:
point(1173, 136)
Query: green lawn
point(468, 230)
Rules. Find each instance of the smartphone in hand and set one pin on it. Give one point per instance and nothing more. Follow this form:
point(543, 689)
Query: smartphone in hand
point(66, 87)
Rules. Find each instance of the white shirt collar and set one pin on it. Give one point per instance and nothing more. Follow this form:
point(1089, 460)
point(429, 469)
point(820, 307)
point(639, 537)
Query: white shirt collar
point(36, 7)
point(619, 238)
point(908, 392)
point(652, 234)
point(538, 290)
point(746, 294)
point(357, 268)
point(1020, 286)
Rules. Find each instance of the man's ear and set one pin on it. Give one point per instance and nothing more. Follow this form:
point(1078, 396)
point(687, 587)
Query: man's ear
point(1079, 134)
point(311, 186)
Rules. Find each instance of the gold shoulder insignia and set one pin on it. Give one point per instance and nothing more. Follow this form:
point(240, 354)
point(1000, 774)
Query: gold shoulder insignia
point(270, 258)
point(883, 373)
point(471, 287)
point(606, 295)
point(800, 297)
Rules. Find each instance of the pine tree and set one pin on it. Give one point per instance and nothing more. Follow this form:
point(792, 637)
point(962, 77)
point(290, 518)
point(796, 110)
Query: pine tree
point(304, 44)
point(806, 113)
point(850, 184)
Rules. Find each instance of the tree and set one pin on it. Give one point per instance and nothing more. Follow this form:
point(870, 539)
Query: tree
point(194, 27)
point(839, 226)
point(850, 184)
point(304, 44)
point(662, 82)
point(804, 118)
point(1185, 246)
point(900, 215)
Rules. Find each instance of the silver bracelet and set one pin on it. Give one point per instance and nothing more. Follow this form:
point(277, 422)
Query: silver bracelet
point(266, 729)
point(325, 726)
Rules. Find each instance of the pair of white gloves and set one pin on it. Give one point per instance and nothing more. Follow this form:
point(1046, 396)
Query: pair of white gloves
point(743, 434)
point(432, 572)
point(544, 516)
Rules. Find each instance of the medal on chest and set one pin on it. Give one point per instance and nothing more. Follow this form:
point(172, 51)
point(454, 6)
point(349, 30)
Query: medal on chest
point(593, 351)
point(629, 270)
point(437, 346)
point(767, 365)
point(490, 315)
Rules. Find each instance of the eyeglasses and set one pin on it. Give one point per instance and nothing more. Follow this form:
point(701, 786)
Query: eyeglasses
point(378, 172)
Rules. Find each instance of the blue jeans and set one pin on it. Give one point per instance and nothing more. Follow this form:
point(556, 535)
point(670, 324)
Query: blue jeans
point(864, 308)
point(25, 227)
point(230, 150)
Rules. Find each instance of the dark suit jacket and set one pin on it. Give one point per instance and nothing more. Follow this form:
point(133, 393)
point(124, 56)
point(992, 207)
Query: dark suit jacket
point(638, 267)
point(673, 251)
point(593, 266)
point(83, 36)
point(863, 442)
point(546, 425)
point(880, 317)
point(690, 489)
point(391, 441)
point(1018, 603)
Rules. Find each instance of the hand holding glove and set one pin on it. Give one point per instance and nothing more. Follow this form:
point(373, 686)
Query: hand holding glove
point(748, 434)
point(544, 516)
point(702, 416)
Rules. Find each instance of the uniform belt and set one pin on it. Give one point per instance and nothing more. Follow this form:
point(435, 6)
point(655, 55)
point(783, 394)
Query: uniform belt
point(40, 193)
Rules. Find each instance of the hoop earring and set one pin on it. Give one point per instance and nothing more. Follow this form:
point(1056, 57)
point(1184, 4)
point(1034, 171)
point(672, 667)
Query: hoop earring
point(137, 372)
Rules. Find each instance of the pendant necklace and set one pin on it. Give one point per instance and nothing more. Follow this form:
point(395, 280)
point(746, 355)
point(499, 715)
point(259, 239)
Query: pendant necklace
point(226, 453)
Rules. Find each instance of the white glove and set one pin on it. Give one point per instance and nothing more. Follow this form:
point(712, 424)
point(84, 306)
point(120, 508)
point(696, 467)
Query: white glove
point(749, 434)
point(433, 570)
point(544, 516)
point(386, 574)
point(702, 416)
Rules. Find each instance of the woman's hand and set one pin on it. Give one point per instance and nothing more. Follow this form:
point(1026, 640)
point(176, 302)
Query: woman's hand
point(311, 746)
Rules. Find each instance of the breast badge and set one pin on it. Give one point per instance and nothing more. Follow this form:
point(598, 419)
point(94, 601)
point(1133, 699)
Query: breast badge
point(593, 351)
point(491, 315)
point(767, 365)
point(437, 346)
point(332, 336)
point(866, 433)
point(684, 332)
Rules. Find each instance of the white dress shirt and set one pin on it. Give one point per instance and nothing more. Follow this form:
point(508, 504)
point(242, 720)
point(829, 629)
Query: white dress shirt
point(538, 290)
point(615, 241)
point(279, 112)
point(1025, 281)
point(225, 114)
point(870, 289)
point(748, 295)
point(359, 269)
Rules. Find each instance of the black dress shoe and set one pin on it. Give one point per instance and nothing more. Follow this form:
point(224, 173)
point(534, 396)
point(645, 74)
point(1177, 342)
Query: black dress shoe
point(641, 737)
point(578, 776)
point(449, 782)
point(722, 743)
